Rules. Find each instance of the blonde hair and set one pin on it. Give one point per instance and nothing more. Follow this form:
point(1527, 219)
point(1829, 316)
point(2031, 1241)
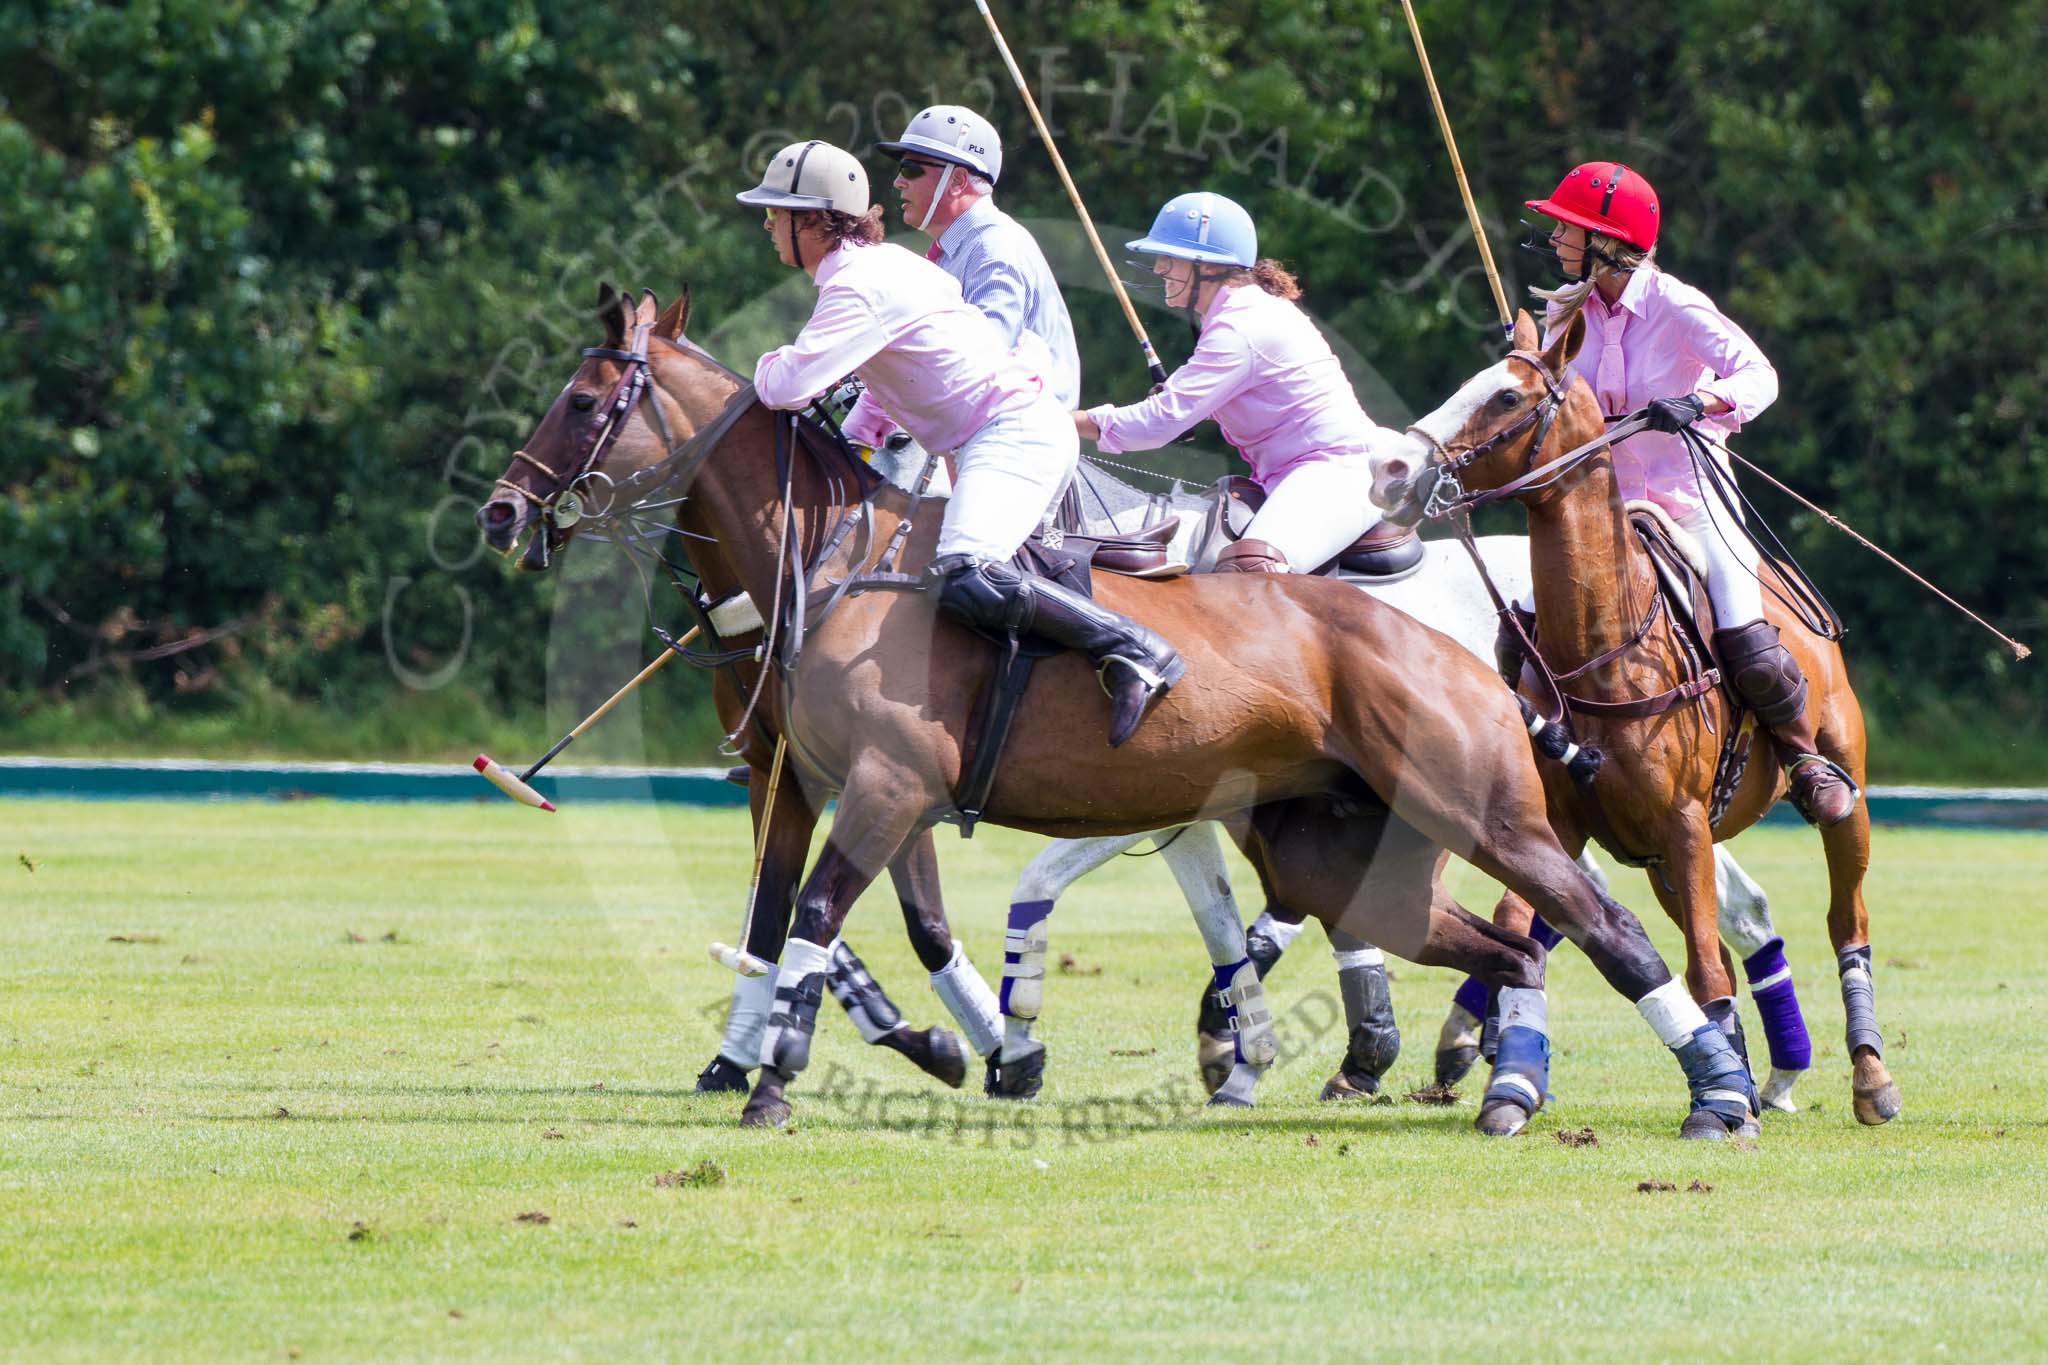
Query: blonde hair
point(1621, 259)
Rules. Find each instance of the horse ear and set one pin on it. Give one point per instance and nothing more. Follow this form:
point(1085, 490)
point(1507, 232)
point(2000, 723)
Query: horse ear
point(647, 309)
point(1565, 342)
point(611, 310)
point(673, 318)
point(1526, 337)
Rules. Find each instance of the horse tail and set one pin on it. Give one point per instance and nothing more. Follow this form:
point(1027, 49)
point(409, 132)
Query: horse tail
point(1554, 742)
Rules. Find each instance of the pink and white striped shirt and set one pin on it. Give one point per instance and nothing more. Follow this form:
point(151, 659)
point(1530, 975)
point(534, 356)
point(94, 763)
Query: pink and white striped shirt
point(1270, 380)
point(1661, 339)
point(930, 360)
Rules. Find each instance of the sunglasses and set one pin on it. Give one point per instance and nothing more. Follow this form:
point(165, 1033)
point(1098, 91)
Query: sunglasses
point(914, 170)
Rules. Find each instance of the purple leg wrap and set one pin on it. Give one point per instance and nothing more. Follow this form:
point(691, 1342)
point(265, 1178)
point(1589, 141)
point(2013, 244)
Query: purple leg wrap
point(1471, 997)
point(1770, 985)
point(1544, 934)
point(1024, 917)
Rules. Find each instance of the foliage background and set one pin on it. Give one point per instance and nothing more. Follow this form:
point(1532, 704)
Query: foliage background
point(282, 285)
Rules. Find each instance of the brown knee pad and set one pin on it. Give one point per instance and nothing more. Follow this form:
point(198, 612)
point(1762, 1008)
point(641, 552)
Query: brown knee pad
point(1763, 672)
point(1250, 556)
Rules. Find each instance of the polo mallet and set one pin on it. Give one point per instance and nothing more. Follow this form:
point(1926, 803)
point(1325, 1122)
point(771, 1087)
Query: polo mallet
point(1443, 121)
point(739, 959)
point(1116, 284)
point(515, 785)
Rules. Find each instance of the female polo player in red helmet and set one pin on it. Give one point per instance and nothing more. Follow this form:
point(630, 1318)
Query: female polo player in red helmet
point(1655, 342)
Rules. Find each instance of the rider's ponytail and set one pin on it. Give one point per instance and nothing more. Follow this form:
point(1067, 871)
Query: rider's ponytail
point(1269, 275)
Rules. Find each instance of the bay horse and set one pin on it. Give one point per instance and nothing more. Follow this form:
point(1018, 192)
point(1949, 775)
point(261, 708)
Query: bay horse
point(1529, 428)
point(1348, 744)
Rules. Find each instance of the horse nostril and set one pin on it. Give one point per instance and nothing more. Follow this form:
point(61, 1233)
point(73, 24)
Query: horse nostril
point(494, 515)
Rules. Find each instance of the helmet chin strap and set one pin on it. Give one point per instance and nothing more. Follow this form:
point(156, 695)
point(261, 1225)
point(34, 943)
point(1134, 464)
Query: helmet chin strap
point(945, 179)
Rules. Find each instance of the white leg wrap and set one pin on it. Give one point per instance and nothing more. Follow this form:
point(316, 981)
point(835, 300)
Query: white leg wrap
point(745, 1020)
point(971, 1002)
point(1359, 957)
point(1527, 1007)
point(1282, 934)
point(1672, 1013)
point(786, 1039)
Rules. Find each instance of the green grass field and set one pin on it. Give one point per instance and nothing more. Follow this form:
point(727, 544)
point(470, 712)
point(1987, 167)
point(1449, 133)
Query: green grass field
point(278, 1081)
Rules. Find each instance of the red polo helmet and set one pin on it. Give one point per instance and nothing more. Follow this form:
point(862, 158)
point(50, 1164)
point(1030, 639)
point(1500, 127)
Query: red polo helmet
point(1605, 196)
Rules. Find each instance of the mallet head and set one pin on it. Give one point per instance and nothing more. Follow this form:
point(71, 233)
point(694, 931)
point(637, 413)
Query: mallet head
point(505, 781)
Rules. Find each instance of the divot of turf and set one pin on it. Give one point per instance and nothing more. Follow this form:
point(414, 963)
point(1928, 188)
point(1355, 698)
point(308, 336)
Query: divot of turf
point(532, 1216)
point(1654, 1187)
point(1578, 1137)
point(1433, 1094)
point(703, 1175)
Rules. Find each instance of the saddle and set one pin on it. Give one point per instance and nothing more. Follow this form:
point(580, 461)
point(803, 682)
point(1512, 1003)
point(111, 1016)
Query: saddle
point(1386, 551)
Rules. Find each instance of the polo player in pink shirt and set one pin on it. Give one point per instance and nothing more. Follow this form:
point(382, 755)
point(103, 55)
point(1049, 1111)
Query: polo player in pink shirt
point(944, 372)
point(1655, 342)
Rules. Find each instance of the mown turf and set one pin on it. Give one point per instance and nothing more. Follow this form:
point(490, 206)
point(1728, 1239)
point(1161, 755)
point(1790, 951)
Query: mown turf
point(300, 1109)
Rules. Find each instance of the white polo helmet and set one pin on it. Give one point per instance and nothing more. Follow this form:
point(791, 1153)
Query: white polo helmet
point(811, 175)
point(954, 134)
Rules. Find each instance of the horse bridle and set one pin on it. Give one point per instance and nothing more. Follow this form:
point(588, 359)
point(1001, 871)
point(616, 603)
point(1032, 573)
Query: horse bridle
point(1445, 493)
point(562, 506)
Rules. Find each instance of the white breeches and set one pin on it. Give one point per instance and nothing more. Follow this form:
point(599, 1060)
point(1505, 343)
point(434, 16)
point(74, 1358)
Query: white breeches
point(1316, 511)
point(1731, 563)
point(1006, 475)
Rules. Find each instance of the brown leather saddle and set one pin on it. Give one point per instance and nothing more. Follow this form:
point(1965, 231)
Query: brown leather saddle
point(1141, 554)
point(1386, 551)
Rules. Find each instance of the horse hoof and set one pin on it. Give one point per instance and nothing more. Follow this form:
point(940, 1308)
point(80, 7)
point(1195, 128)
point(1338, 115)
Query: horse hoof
point(1777, 1091)
point(1017, 1079)
point(1215, 1055)
point(1455, 1063)
point(1880, 1104)
point(1501, 1118)
point(770, 1111)
point(1349, 1085)
point(721, 1078)
point(1223, 1099)
point(1706, 1125)
point(939, 1055)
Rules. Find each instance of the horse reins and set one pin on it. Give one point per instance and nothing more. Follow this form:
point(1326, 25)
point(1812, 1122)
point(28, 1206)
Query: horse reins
point(1447, 499)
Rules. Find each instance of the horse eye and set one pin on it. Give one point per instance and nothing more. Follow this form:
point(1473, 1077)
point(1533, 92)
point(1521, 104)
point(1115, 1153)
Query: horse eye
point(583, 402)
point(1509, 397)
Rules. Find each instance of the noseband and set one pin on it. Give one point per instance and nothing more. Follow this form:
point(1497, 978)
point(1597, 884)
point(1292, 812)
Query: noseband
point(1445, 494)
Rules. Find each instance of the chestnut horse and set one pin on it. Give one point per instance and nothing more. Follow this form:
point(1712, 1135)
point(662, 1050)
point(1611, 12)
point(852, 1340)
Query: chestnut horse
point(1651, 799)
point(1347, 743)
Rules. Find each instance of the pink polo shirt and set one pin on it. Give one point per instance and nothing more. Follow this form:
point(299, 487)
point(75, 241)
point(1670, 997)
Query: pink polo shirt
point(1663, 338)
point(1264, 372)
point(930, 360)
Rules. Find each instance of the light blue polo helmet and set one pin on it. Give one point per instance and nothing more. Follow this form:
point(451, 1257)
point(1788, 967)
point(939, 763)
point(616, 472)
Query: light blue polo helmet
point(1202, 226)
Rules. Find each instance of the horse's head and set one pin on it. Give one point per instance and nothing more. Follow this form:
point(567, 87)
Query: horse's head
point(1492, 429)
point(609, 420)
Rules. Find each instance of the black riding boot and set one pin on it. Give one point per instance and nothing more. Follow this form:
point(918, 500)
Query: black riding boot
point(1767, 678)
point(1508, 650)
point(1134, 664)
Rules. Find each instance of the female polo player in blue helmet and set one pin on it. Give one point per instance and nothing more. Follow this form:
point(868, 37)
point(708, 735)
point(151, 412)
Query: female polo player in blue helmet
point(1264, 372)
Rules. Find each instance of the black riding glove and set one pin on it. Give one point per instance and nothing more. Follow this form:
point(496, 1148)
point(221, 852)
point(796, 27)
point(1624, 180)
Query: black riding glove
point(1675, 414)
